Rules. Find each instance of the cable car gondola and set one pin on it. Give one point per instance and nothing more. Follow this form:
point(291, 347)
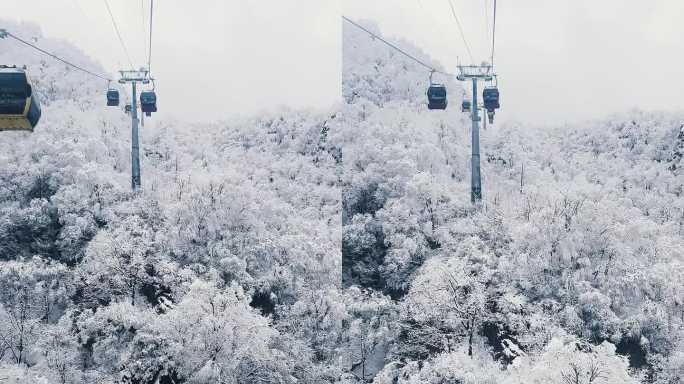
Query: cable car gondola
point(437, 96)
point(19, 106)
point(465, 105)
point(490, 96)
point(112, 98)
point(148, 102)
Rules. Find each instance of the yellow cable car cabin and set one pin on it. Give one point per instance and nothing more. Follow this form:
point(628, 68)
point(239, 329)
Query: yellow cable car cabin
point(19, 107)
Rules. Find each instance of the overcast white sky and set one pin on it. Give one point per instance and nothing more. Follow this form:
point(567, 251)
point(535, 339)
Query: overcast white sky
point(212, 58)
point(558, 60)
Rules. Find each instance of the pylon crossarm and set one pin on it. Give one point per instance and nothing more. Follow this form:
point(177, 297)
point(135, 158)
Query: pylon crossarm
point(141, 76)
point(480, 72)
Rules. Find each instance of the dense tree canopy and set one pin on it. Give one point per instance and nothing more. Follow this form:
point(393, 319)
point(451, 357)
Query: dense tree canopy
point(579, 236)
point(227, 266)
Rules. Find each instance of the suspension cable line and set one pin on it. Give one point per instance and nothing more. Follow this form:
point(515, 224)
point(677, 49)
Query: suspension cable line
point(486, 15)
point(7, 33)
point(493, 33)
point(116, 28)
point(149, 51)
point(430, 67)
point(143, 25)
point(460, 28)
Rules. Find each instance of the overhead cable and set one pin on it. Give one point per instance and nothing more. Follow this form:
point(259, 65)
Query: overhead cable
point(103, 77)
point(421, 62)
point(118, 33)
point(460, 28)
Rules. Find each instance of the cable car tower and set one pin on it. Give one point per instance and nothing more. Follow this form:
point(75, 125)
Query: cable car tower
point(475, 73)
point(134, 77)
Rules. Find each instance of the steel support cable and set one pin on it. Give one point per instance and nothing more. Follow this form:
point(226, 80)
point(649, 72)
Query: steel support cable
point(486, 15)
point(149, 51)
point(493, 34)
point(116, 28)
point(460, 28)
point(103, 77)
point(143, 26)
point(430, 67)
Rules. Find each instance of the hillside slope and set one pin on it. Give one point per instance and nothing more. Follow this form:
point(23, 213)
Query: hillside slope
point(574, 260)
point(210, 273)
point(227, 266)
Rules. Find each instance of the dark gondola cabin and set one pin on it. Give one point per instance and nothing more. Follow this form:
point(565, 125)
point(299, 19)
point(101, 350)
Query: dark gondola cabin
point(112, 98)
point(437, 96)
point(148, 102)
point(465, 106)
point(490, 96)
point(19, 106)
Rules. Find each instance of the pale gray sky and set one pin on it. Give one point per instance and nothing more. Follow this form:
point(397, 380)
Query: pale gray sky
point(212, 58)
point(558, 60)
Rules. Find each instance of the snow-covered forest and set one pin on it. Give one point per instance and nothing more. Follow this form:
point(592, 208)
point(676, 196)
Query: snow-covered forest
point(223, 270)
point(336, 246)
point(572, 272)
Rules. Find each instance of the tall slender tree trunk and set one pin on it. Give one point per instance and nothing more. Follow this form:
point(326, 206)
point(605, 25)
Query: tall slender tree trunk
point(132, 286)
